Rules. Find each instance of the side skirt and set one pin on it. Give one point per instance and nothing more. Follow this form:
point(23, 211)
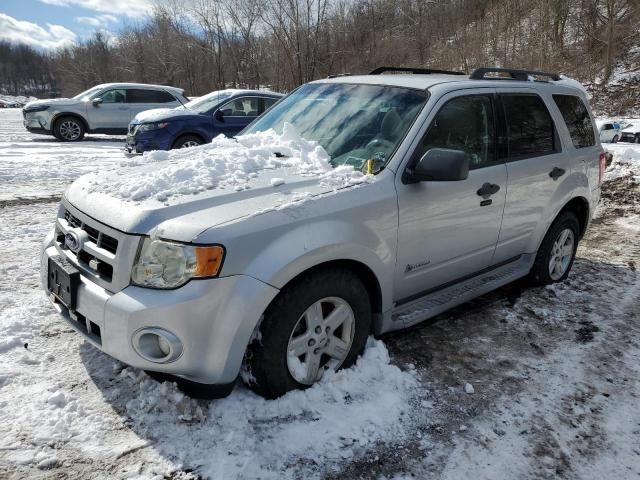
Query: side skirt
point(441, 300)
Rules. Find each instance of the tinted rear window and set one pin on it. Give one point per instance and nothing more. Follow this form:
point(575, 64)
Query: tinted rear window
point(575, 115)
point(135, 95)
point(530, 127)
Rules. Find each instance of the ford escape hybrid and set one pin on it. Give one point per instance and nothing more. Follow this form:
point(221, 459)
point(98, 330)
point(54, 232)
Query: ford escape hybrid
point(472, 181)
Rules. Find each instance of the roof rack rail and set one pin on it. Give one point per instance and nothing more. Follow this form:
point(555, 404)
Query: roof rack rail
point(336, 75)
point(419, 71)
point(479, 73)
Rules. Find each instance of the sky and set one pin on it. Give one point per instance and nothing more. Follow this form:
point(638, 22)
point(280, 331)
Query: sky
point(51, 24)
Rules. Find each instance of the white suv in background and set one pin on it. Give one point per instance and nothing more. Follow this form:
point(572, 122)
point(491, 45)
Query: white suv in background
point(609, 131)
point(106, 108)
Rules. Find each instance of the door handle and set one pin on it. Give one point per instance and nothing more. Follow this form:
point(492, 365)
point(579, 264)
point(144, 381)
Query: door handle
point(488, 189)
point(557, 172)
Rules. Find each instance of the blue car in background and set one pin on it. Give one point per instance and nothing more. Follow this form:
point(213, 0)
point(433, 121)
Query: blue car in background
point(197, 122)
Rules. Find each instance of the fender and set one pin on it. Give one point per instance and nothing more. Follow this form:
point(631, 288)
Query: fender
point(576, 185)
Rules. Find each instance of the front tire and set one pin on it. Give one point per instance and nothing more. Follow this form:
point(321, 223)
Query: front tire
point(69, 129)
point(615, 139)
point(637, 138)
point(557, 252)
point(187, 141)
point(320, 322)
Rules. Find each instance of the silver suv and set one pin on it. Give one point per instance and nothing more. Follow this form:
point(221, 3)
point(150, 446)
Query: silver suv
point(473, 181)
point(106, 108)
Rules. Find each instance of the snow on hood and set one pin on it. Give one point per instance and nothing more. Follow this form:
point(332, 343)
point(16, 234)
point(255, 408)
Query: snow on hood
point(53, 101)
point(158, 114)
point(634, 127)
point(229, 178)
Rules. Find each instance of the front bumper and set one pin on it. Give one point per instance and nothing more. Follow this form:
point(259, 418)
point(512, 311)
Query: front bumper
point(141, 142)
point(37, 122)
point(213, 318)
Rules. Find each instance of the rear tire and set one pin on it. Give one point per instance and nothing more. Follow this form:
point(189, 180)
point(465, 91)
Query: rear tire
point(289, 324)
point(637, 138)
point(69, 129)
point(615, 139)
point(557, 252)
point(187, 141)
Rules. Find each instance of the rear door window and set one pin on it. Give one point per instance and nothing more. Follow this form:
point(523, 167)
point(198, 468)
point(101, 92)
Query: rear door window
point(138, 95)
point(576, 116)
point(268, 103)
point(529, 125)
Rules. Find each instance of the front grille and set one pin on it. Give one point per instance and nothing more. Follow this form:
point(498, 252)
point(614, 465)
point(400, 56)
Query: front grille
point(102, 240)
point(105, 257)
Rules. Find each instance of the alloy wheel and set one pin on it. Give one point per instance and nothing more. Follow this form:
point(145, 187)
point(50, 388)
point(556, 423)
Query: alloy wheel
point(69, 130)
point(321, 339)
point(561, 254)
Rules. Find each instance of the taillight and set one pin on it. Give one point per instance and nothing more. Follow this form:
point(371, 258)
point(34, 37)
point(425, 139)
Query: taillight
point(603, 165)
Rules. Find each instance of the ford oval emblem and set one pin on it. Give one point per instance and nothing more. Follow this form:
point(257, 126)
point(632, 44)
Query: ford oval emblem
point(73, 241)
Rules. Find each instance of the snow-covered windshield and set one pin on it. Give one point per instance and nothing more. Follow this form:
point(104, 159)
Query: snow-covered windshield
point(210, 100)
point(354, 123)
point(87, 93)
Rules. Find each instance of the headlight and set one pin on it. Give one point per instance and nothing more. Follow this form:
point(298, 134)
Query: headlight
point(145, 127)
point(164, 264)
point(37, 108)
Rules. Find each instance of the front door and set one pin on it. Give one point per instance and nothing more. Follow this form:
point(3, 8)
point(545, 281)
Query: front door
point(236, 115)
point(448, 230)
point(113, 111)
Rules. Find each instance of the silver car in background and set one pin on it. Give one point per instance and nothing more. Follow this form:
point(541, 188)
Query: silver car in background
point(106, 108)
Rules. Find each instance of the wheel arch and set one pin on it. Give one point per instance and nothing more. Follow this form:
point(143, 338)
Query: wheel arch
point(580, 207)
point(187, 134)
point(70, 114)
point(360, 269)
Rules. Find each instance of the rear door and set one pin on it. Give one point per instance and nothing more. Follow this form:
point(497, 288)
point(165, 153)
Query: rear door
point(141, 99)
point(112, 113)
point(447, 230)
point(237, 114)
point(536, 167)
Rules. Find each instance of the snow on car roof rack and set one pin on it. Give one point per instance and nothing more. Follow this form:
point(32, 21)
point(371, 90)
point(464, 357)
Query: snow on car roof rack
point(515, 74)
point(418, 71)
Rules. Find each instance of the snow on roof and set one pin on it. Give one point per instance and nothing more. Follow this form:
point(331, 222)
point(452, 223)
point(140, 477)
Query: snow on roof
point(142, 85)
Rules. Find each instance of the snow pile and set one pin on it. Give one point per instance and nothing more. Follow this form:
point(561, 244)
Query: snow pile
point(11, 100)
point(224, 163)
point(157, 114)
point(238, 437)
point(626, 160)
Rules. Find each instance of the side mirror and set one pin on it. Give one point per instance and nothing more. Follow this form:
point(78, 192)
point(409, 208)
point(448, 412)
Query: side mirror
point(439, 165)
point(96, 101)
point(219, 115)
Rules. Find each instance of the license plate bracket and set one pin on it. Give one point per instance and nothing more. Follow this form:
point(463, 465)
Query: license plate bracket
point(63, 280)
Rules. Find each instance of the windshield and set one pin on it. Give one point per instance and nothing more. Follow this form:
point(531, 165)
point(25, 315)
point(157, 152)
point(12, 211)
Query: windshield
point(87, 93)
point(354, 123)
point(210, 100)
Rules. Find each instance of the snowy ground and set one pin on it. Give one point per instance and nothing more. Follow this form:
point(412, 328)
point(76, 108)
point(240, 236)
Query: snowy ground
point(554, 371)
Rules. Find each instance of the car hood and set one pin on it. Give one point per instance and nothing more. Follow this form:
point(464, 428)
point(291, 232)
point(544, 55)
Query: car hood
point(159, 114)
point(52, 102)
point(183, 217)
point(180, 193)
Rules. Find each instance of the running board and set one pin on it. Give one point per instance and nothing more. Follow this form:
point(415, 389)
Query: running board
point(441, 300)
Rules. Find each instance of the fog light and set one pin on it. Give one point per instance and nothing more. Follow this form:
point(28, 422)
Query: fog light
point(165, 346)
point(157, 345)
